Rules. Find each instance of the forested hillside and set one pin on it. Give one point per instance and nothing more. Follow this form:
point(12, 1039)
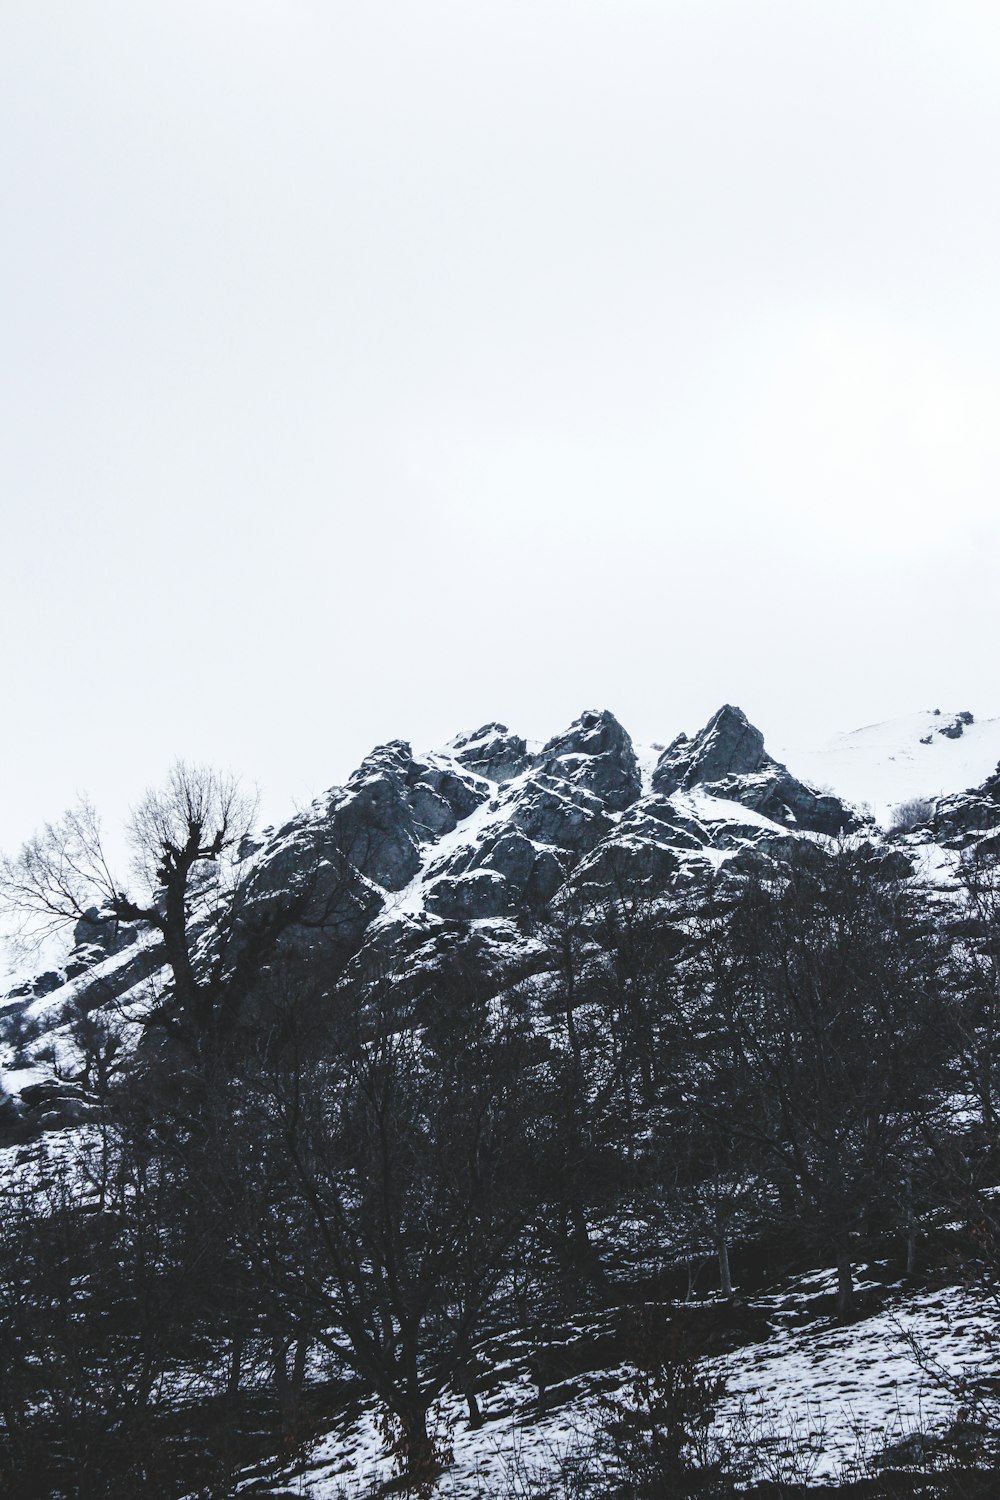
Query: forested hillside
point(557, 1120)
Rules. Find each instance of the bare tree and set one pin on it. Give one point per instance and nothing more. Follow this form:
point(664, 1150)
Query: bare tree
point(182, 837)
point(820, 1031)
point(975, 1010)
point(380, 1180)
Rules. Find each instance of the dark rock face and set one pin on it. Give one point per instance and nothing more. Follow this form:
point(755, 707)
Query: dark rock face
point(93, 988)
point(42, 984)
point(462, 794)
point(956, 728)
point(492, 751)
point(392, 804)
point(374, 819)
point(54, 1103)
point(471, 897)
point(432, 815)
point(579, 782)
point(553, 811)
point(644, 862)
point(597, 754)
point(965, 819)
point(573, 816)
point(97, 929)
point(531, 874)
point(96, 937)
point(729, 745)
point(728, 759)
point(777, 795)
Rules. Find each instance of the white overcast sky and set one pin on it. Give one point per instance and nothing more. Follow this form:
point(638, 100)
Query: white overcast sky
point(373, 369)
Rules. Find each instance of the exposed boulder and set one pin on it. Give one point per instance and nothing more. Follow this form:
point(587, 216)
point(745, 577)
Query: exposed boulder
point(967, 818)
point(41, 984)
point(100, 985)
point(53, 1103)
point(554, 811)
point(463, 794)
point(103, 931)
point(471, 897)
point(956, 728)
point(776, 794)
point(492, 751)
point(510, 854)
point(623, 863)
point(432, 815)
point(373, 818)
point(533, 872)
point(97, 936)
point(303, 888)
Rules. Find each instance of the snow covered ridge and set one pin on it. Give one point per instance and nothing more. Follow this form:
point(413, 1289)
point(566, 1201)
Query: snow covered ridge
point(920, 756)
point(490, 831)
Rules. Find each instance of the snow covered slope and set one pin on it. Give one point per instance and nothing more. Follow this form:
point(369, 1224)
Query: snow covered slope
point(923, 754)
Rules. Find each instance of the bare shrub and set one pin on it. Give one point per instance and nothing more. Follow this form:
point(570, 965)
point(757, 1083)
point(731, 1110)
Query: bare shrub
point(910, 814)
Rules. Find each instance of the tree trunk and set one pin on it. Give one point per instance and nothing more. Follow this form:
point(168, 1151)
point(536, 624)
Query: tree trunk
point(725, 1275)
point(175, 940)
point(283, 1389)
point(586, 1258)
point(418, 1447)
point(235, 1367)
point(299, 1364)
point(845, 1280)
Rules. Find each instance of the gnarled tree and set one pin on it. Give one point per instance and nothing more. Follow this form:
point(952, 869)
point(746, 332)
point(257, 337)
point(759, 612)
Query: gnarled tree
point(182, 837)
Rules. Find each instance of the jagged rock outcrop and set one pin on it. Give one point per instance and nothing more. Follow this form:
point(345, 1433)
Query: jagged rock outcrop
point(53, 1104)
point(416, 853)
point(97, 936)
point(597, 754)
point(39, 985)
point(776, 794)
point(491, 751)
point(728, 758)
point(392, 805)
point(520, 872)
point(578, 784)
point(729, 745)
point(965, 820)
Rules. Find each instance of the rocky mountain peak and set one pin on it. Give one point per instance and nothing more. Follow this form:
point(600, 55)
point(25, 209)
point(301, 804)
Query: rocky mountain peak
point(728, 759)
point(729, 745)
point(595, 753)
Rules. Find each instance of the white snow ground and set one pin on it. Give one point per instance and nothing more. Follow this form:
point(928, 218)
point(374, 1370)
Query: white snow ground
point(818, 1396)
point(884, 764)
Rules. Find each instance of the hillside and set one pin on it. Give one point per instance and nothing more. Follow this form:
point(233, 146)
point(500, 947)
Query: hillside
point(496, 1072)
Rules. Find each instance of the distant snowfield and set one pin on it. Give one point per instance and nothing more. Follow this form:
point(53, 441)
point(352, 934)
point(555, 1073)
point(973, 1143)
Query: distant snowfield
point(884, 764)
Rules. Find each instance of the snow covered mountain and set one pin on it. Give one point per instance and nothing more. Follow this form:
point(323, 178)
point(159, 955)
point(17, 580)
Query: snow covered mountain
point(489, 832)
point(483, 848)
point(484, 836)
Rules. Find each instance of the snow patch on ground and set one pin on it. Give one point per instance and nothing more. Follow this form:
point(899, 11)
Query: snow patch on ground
point(881, 765)
point(840, 1394)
